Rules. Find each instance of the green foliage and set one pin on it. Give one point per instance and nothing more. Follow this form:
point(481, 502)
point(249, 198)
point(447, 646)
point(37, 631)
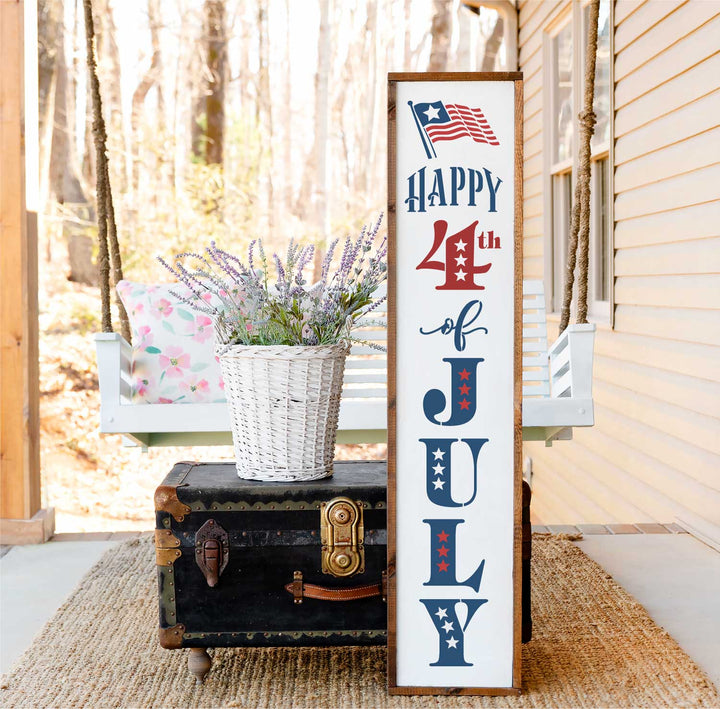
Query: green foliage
point(83, 318)
point(178, 209)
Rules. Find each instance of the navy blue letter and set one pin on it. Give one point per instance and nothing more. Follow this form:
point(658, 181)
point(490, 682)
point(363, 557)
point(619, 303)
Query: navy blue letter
point(443, 549)
point(451, 635)
point(438, 469)
point(463, 393)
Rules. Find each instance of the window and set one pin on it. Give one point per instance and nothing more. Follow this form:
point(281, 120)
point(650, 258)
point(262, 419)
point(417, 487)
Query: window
point(599, 286)
point(564, 72)
point(562, 115)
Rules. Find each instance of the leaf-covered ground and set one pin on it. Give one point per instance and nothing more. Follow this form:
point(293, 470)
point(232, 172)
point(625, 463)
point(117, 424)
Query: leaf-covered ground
point(92, 481)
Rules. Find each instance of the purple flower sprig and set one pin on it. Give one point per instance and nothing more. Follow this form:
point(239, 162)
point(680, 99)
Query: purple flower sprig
point(250, 308)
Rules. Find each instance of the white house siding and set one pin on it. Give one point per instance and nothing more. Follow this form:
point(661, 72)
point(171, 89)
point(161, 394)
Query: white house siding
point(654, 452)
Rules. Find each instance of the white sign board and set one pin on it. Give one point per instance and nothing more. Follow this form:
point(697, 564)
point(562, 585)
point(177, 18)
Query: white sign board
point(454, 390)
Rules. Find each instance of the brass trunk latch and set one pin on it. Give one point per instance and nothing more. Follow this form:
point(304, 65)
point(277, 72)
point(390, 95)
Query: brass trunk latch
point(212, 551)
point(342, 535)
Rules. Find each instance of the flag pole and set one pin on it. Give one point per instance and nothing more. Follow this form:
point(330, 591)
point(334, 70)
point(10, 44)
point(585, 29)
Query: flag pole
point(423, 135)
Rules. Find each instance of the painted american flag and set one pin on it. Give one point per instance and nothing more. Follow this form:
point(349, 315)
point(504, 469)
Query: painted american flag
point(440, 121)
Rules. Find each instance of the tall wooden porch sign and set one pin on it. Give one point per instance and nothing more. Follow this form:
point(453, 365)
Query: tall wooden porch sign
point(454, 419)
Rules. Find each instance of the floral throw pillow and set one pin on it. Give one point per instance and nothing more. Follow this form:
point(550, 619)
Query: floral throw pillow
point(173, 359)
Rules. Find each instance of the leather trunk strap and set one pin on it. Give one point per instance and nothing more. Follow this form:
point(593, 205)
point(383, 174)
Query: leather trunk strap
point(301, 590)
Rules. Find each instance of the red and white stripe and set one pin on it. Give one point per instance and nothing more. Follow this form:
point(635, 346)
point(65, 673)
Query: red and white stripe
point(464, 122)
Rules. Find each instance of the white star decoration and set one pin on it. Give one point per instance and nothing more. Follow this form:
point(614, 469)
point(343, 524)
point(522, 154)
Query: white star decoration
point(438, 454)
point(447, 626)
point(452, 643)
point(460, 275)
point(432, 110)
point(441, 613)
point(438, 484)
point(438, 469)
point(460, 260)
point(460, 246)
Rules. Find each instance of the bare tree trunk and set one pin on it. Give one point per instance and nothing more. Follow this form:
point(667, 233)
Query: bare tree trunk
point(441, 31)
point(195, 83)
point(108, 56)
point(50, 25)
point(322, 106)
point(65, 183)
point(305, 197)
point(180, 147)
point(372, 96)
point(466, 52)
point(156, 22)
point(265, 110)
point(151, 78)
point(248, 103)
point(407, 49)
point(339, 112)
point(493, 45)
point(49, 28)
point(246, 74)
point(46, 130)
point(216, 64)
point(305, 202)
point(74, 70)
point(287, 152)
point(89, 168)
point(362, 98)
point(211, 106)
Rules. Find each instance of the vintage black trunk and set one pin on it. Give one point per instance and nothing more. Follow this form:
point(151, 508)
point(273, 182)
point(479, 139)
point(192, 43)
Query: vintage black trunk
point(273, 531)
point(268, 543)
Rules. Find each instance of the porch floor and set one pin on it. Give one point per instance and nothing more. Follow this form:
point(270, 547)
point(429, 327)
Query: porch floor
point(674, 576)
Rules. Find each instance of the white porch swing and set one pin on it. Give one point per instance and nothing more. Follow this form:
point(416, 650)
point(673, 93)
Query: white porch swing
point(557, 389)
point(557, 381)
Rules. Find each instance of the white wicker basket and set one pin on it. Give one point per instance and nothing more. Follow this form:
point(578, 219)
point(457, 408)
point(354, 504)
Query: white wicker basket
point(284, 403)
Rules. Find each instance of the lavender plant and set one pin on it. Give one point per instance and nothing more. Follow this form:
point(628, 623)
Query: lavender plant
point(249, 307)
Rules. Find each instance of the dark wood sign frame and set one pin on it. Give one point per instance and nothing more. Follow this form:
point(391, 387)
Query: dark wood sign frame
point(393, 688)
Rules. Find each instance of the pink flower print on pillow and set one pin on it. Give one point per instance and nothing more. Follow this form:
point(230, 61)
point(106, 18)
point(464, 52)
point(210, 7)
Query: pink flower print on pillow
point(161, 308)
point(142, 385)
point(174, 361)
point(164, 325)
point(194, 388)
point(221, 382)
point(201, 328)
point(145, 337)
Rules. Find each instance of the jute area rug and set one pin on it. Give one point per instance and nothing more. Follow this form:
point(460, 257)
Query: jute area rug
point(593, 646)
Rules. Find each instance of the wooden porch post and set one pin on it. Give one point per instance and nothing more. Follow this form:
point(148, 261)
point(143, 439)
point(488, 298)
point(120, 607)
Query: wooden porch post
point(21, 518)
